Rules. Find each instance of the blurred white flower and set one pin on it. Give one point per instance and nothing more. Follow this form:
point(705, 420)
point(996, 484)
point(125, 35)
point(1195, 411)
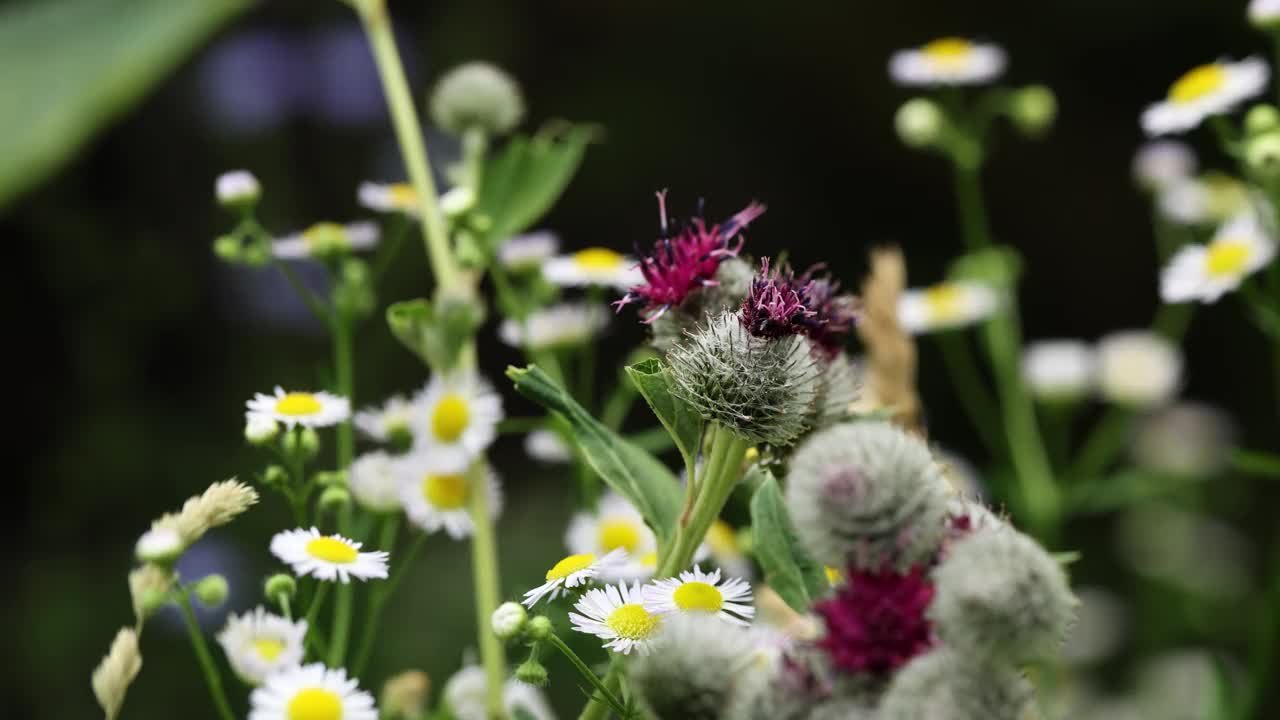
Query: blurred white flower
point(1138, 368)
point(946, 305)
point(1212, 197)
point(1059, 369)
point(546, 446)
point(1187, 550)
point(1207, 272)
point(1161, 163)
point(1207, 90)
point(1100, 629)
point(593, 266)
point(1186, 439)
point(947, 61)
point(559, 325)
point(326, 239)
point(528, 252)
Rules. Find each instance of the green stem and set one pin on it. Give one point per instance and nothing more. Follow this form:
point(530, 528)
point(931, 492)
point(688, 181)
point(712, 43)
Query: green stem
point(313, 303)
point(723, 465)
point(344, 370)
point(404, 117)
point(520, 425)
point(317, 600)
point(609, 694)
point(1263, 654)
point(972, 209)
point(377, 598)
point(1107, 440)
point(971, 389)
point(1254, 462)
point(211, 675)
point(484, 562)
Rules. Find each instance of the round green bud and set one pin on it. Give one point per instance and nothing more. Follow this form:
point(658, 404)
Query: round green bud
point(260, 429)
point(279, 585)
point(309, 442)
point(477, 95)
point(228, 248)
point(256, 254)
point(1262, 155)
point(152, 600)
point(508, 620)
point(919, 123)
point(212, 590)
point(1261, 118)
point(532, 672)
point(335, 498)
point(539, 627)
point(1033, 109)
point(275, 476)
point(331, 478)
point(400, 438)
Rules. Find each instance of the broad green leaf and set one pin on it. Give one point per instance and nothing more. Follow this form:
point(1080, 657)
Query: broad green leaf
point(635, 474)
point(72, 66)
point(788, 569)
point(523, 180)
point(681, 420)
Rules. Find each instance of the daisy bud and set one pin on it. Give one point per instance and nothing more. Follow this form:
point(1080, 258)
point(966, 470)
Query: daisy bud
point(942, 684)
point(227, 248)
point(1262, 155)
point(693, 669)
point(160, 545)
point(280, 585)
point(275, 476)
point(539, 627)
point(999, 593)
point(149, 588)
point(1059, 371)
point(331, 478)
point(309, 441)
point(404, 696)
point(762, 389)
point(334, 499)
point(477, 95)
point(1033, 109)
point(260, 429)
point(237, 190)
point(212, 590)
point(1261, 118)
point(112, 677)
point(919, 123)
point(532, 672)
point(508, 620)
point(867, 495)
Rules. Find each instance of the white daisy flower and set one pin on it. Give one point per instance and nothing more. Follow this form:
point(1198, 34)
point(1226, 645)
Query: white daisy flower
point(573, 571)
point(546, 446)
point(259, 644)
point(615, 524)
point(375, 482)
point(1138, 368)
point(326, 239)
point(1059, 369)
point(465, 696)
point(527, 252)
point(382, 423)
point(1204, 91)
point(161, 544)
point(1265, 14)
point(327, 557)
point(456, 417)
point(311, 692)
point(1161, 163)
point(726, 552)
point(237, 187)
point(1209, 198)
point(948, 61)
point(388, 197)
point(616, 613)
point(1207, 272)
point(593, 266)
point(698, 592)
point(947, 305)
point(437, 495)
point(309, 409)
point(561, 325)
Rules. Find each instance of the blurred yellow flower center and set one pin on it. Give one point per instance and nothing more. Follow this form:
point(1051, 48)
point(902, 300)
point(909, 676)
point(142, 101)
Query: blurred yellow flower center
point(597, 259)
point(331, 550)
point(950, 51)
point(297, 403)
point(632, 622)
point(268, 648)
point(570, 565)
point(944, 301)
point(649, 559)
point(834, 576)
point(450, 417)
point(722, 539)
point(447, 492)
point(315, 704)
point(1226, 257)
point(402, 195)
point(698, 596)
point(324, 237)
point(1202, 81)
point(616, 534)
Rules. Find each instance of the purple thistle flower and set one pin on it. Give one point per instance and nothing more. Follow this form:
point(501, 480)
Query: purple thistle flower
point(782, 303)
point(876, 622)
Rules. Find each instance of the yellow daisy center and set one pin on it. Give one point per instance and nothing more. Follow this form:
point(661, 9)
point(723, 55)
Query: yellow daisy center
point(331, 550)
point(834, 576)
point(570, 565)
point(722, 539)
point(597, 259)
point(1196, 84)
point(948, 51)
point(450, 418)
point(616, 534)
point(944, 301)
point(447, 492)
point(1226, 258)
point(315, 704)
point(649, 559)
point(632, 621)
point(698, 596)
point(402, 195)
point(268, 648)
point(298, 403)
point(325, 237)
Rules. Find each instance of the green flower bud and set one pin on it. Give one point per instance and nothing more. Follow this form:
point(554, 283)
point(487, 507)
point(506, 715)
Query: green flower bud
point(532, 672)
point(260, 430)
point(508, 620)
point(331, 478)
point(237, 190)
point(228, 248)
point(334, 498)
point(309, 442)
point(354, 294)
point(1262, 155)
point(477, 95)
point(275, 476)
point(538, 628)
point(944, 684)
point(212, 591)
point(1261, 118)
point(1033, 109)
point(920, 123)
point(279, 585)
point(256, 254)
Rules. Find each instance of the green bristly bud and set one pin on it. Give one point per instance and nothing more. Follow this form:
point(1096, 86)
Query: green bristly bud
point(944, 684)
point(280, 585)
point(477, 95)
point(538, 628)
point(532, 672)
point(334, 499)
point(1261, 118)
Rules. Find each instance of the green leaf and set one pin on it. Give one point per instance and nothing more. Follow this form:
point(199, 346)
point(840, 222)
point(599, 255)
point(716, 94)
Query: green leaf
point(523, 181)
point(787, 567)
point(72, 66)
point(635, 474)
point(682, 420)
point(434, 333)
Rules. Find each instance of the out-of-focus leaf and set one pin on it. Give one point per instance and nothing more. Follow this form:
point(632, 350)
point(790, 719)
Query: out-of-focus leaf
point(681, 420)
point(524, 179)
point(635, 474)
point(435, 333)
point(788, 569)
point(71, 66)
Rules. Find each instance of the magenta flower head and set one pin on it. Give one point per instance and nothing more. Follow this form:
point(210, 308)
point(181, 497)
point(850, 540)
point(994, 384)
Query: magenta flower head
point(876, 622)
point(782, 303)
point(685, 258)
